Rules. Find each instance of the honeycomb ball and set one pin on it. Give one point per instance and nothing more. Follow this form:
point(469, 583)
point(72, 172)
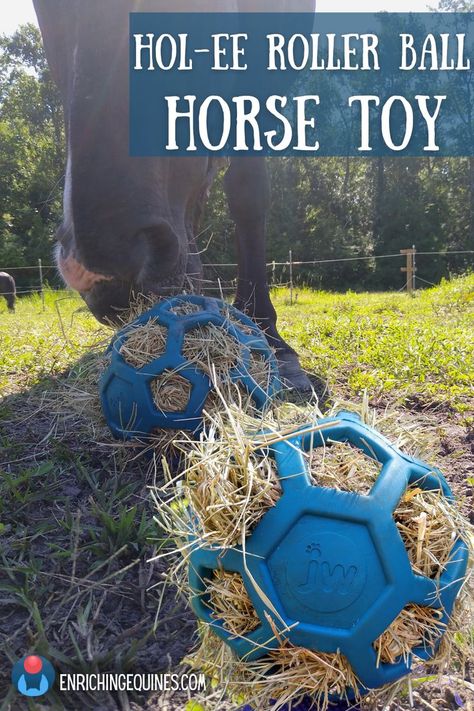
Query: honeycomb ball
point(355, 566)
point(166, 365)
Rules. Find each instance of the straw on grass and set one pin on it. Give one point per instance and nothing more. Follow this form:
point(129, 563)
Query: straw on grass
point(166, 441)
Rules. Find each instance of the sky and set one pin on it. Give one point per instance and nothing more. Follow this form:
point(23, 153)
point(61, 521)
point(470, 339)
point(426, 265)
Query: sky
point(17, 12)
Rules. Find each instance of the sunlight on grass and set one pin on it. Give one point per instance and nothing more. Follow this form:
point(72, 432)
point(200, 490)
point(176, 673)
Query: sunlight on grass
point(394, 346)
point(399, 348)
point(35, 344)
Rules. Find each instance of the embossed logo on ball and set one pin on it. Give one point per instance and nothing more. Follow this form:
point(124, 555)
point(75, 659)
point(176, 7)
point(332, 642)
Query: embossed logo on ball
point(332, 576)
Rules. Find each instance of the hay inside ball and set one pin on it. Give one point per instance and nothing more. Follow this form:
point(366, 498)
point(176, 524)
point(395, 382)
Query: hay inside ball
point(349, 573)
point(165, 367)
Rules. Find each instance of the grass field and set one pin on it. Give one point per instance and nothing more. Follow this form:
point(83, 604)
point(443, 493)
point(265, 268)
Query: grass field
point(76, 521)
point(393, 346)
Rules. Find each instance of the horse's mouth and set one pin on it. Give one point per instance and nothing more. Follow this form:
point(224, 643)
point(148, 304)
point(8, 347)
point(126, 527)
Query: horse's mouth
point(108, 297)
point(75, 274)
point(111, 300)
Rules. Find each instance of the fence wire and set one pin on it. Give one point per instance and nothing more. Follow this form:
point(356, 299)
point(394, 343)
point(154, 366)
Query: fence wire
point(230, 285)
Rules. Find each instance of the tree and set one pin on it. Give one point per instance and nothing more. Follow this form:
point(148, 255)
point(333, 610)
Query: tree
point(31, 151)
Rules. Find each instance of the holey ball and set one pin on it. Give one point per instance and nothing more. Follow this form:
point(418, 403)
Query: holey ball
point(364, 580)
point(164, 365)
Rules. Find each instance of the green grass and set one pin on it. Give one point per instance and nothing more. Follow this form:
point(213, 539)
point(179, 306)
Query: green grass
point(416, 350)
point(76, 521)
point(392, 345)
point(35, 344)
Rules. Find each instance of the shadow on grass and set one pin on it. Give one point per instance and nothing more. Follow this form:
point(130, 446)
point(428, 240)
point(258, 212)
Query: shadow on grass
point(76, 535)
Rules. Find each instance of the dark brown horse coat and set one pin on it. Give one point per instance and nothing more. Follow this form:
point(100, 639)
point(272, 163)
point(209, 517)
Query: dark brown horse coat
point(8, 290)
point(130, 224)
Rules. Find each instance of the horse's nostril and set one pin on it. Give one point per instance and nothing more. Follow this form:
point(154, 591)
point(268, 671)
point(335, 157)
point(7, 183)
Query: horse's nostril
point(161, 248)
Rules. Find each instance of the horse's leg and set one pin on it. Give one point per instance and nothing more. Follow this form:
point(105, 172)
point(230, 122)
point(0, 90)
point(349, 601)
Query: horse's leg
point(11, 295)
point(247, 187)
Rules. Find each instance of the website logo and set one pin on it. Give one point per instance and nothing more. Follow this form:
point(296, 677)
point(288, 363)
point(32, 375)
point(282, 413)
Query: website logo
point(33, 676)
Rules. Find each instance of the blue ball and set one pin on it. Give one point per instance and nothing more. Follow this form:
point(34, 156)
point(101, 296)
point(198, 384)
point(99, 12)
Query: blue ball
point(332, 563)
point(125, 391)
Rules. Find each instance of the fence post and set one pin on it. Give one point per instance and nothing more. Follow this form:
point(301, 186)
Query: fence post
point(40, 267)
point(414, 268)
point(291, 277)
point(410, 268)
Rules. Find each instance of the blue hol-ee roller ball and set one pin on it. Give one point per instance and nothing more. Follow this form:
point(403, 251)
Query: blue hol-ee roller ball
point(332, 564)
point(126, 390)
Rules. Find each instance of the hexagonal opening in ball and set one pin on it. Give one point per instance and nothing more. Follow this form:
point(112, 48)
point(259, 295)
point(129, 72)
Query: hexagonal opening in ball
point(227, 483)
point(416, 627)
point(144, 343)
point(429, 526)
point(230, 603)
point(341, 466)
point(185, 308)
point(171, 392)
point(232, 394)
point(212, 349)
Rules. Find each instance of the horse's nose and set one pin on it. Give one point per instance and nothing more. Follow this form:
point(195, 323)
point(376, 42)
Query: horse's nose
point(161, 251)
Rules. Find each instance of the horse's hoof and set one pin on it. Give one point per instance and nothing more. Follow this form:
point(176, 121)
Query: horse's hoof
point(298, 387)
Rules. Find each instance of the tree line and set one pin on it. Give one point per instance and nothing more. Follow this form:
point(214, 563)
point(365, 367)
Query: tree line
point(322, 208)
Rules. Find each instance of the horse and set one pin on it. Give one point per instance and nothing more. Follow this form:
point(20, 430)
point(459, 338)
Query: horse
point(130, 224)
point(8, 290)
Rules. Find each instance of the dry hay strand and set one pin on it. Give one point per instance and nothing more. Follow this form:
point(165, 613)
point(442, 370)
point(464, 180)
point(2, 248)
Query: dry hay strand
point(429, 526)
point(186, 308)
point(234, 321)
point(139, 304)
point(166, 442)
point(171, 391)
point(229, 487)
point(414, 627)
point(341, 466)
point(282, 677)
point(145, 343)
point(230, 603)
point(259, 370)
point(295, 672)
point(75, 403)
point(228, 394)
point(212, 350)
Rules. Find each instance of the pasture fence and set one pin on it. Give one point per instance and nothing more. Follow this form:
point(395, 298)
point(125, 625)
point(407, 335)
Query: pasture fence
point(281, 274)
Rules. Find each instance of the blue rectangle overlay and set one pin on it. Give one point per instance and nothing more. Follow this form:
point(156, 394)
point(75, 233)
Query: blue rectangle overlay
point(227, 84)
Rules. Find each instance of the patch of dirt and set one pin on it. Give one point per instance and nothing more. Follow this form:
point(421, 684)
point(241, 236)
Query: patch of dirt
point(77, 537)
point(79, 586)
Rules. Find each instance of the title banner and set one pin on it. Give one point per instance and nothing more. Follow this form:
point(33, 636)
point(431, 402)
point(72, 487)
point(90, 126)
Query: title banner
point(298, 84)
